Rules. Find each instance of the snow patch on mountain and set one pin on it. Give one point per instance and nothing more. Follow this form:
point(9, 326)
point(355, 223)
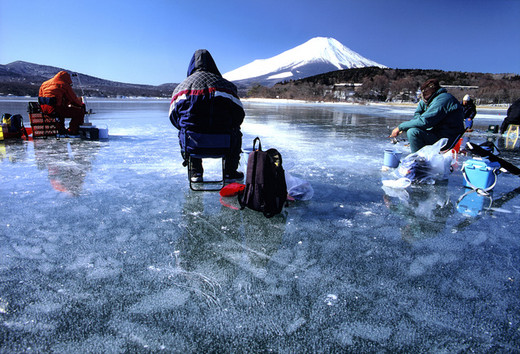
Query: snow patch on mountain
point(316, 56)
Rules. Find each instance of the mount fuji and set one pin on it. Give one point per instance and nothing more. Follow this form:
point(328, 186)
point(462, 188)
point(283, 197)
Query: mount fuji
point(316, 56)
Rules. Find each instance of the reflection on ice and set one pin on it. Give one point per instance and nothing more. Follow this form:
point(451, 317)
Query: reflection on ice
point(105, 249)
point(67, 163)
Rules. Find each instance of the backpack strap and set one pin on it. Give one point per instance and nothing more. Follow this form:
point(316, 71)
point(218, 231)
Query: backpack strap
point(24, 131)
point(242, 197)
point(259, 144)
point(275, 156)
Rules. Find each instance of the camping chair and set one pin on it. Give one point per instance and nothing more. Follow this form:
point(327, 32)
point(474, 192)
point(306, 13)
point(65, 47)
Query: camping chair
point(204, 146)
point(43, 125)
point(512, 135)
point(453, 145)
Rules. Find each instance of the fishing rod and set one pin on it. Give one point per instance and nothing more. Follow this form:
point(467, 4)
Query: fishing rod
point(478, 150)
point(88, 130)
point(87, 111)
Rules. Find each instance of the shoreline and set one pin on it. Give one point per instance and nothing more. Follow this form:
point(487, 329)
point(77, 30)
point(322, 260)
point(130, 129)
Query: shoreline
point(268, 100)
point(393, 104)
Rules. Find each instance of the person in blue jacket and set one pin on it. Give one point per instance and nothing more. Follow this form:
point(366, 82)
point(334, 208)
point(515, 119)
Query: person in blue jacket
point(205, 102)
point(470, 111)
point(438, 115)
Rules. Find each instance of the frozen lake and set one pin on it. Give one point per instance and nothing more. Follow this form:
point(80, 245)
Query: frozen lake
point(104, 248)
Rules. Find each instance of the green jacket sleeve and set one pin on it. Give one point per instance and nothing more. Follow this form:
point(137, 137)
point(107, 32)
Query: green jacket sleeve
point(427, 117)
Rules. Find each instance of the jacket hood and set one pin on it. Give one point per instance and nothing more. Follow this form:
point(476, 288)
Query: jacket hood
point(203, 61)
point(63, 76)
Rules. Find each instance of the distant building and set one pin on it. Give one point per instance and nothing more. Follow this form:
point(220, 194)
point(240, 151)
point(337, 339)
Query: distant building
point(342, 91)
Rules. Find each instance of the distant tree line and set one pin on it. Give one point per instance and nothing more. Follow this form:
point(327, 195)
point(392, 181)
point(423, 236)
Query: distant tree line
point(122, 90)
point(354, 85)
point(391, 85)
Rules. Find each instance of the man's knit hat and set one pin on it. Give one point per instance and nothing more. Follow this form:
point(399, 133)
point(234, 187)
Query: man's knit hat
point(429, 88)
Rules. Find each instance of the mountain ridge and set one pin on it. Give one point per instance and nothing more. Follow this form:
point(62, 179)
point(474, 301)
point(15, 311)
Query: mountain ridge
point(23, 78)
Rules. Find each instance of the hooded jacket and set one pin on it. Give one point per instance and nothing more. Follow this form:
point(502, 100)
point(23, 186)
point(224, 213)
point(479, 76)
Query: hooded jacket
point(513, 116)
point(59, 88)
point(205, 102)
point(442, 115)
point(470, 110)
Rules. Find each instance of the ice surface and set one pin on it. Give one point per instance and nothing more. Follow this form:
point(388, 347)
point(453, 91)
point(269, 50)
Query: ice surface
point(105, 249)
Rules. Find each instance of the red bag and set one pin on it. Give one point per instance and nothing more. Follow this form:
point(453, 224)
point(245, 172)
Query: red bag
point(232, 189)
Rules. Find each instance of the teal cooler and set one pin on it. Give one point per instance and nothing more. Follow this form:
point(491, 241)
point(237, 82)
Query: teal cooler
point(480, 174)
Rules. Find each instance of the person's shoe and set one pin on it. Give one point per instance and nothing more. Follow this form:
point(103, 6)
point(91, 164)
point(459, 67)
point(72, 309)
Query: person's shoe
point(234, 176)
point(62, 133)
point(71, 134)
point(196, 177)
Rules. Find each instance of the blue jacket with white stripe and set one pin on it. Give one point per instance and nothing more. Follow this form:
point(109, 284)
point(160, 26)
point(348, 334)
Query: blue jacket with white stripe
point(205, 102)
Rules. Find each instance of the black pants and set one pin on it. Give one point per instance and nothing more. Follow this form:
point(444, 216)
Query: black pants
point(232, 158)
point(506, 122)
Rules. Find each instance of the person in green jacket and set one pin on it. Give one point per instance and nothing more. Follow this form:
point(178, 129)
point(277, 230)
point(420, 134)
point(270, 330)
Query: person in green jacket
point(438, 115)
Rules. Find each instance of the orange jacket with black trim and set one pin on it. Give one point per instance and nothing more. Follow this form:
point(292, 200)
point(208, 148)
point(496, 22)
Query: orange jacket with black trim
point(60, 87)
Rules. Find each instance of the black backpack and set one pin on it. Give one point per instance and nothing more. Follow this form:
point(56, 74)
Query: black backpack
point(266, 190)
point(14, 124)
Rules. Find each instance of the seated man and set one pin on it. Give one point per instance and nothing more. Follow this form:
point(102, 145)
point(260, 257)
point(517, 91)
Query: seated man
point(56, 97)
point(205, 102)
point(470, 111)
point(438, 115)
point(513, 116)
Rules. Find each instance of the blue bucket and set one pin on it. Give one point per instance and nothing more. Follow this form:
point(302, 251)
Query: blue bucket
point(480, 174)
point(392, 158)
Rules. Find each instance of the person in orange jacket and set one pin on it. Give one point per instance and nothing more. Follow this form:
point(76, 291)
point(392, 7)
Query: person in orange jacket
point(56, 97)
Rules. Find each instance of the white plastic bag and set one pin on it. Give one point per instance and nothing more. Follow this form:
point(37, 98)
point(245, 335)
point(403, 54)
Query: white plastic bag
point(402, 194)
point(401, 183)
point(426, 165)
point(298, 188)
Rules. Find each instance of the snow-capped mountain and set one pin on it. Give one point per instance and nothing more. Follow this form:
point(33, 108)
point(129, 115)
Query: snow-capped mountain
point(316, 56)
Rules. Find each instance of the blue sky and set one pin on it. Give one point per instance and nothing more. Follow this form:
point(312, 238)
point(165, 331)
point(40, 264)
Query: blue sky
point(152, 41)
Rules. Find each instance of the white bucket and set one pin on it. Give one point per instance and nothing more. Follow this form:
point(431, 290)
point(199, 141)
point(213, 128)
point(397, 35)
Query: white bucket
point(103, 133)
